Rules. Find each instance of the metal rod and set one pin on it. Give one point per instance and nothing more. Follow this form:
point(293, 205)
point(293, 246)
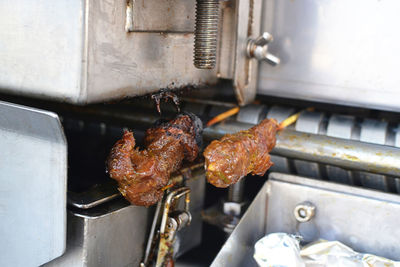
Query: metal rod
point(347, 154)
point(151, 236)
point(235, 193)
point(343, 153)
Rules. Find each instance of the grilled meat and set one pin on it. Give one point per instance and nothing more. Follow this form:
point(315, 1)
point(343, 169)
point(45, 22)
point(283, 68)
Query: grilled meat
point(141, 175)
point(236, 155)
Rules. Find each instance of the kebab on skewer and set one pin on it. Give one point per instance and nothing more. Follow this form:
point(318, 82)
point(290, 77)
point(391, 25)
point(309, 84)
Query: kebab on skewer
point(235, 155)
point(142, 174)
point(247, 152)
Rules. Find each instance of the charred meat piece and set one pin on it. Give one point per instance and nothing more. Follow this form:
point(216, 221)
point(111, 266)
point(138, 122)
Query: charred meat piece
point(236, 155)
point(141, 175)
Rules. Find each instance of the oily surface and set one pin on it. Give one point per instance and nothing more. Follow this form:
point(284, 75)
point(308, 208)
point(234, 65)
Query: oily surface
point(236, 155)
point(141, 175)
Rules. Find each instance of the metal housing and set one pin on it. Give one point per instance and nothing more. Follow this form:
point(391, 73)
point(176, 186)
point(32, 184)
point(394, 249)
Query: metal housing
point(335, 206)
point(80, 52)
point(341, 52)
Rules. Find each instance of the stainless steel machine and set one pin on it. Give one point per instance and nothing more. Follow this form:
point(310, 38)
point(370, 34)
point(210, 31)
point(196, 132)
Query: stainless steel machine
point(75, 74)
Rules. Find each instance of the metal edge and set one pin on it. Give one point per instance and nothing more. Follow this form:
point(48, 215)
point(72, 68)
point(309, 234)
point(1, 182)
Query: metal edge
point(334, 187)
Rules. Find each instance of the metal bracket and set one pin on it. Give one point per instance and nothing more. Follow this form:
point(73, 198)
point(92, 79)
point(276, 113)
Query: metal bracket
point(171, 222)
point(240, 22)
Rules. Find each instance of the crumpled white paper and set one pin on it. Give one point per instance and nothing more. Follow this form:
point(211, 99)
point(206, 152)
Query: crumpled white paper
point(283, 250)
point(278, 249)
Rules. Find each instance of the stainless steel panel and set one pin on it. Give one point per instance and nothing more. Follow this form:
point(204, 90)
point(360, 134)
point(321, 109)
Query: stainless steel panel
point(178, 15)
point(115, 238)
point(33, 163)
point(343, 213)
point(114, 233)
point(78, 51)
point(41, 48)
point(272, 211)
point(124, 64)
point(342, 52)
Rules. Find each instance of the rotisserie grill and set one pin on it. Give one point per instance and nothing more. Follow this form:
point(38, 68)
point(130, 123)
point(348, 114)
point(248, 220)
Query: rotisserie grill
point(131, 131)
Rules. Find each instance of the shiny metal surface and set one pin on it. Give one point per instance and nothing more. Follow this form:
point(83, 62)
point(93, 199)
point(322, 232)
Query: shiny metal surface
point(164, 16)
point(94, 196)
point(272, 211)
point(113, 236)
point(86, 55)
point(33, 184)
point(42, 54)
point(335, 206)
point(340, 152)
point(341, 52)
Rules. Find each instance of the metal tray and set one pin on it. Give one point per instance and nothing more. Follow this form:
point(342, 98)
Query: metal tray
point(363, 219)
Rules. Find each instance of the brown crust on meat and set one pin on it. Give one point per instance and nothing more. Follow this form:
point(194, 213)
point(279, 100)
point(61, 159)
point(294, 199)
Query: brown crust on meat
point(141, 175)
point(236, 155)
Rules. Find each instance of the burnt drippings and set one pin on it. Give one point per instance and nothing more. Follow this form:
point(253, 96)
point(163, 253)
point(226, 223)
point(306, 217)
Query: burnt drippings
point(142, 174)
point(166, 94)
point(236, 155)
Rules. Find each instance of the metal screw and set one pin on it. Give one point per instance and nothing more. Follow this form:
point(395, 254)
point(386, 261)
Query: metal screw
point(205, 39)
